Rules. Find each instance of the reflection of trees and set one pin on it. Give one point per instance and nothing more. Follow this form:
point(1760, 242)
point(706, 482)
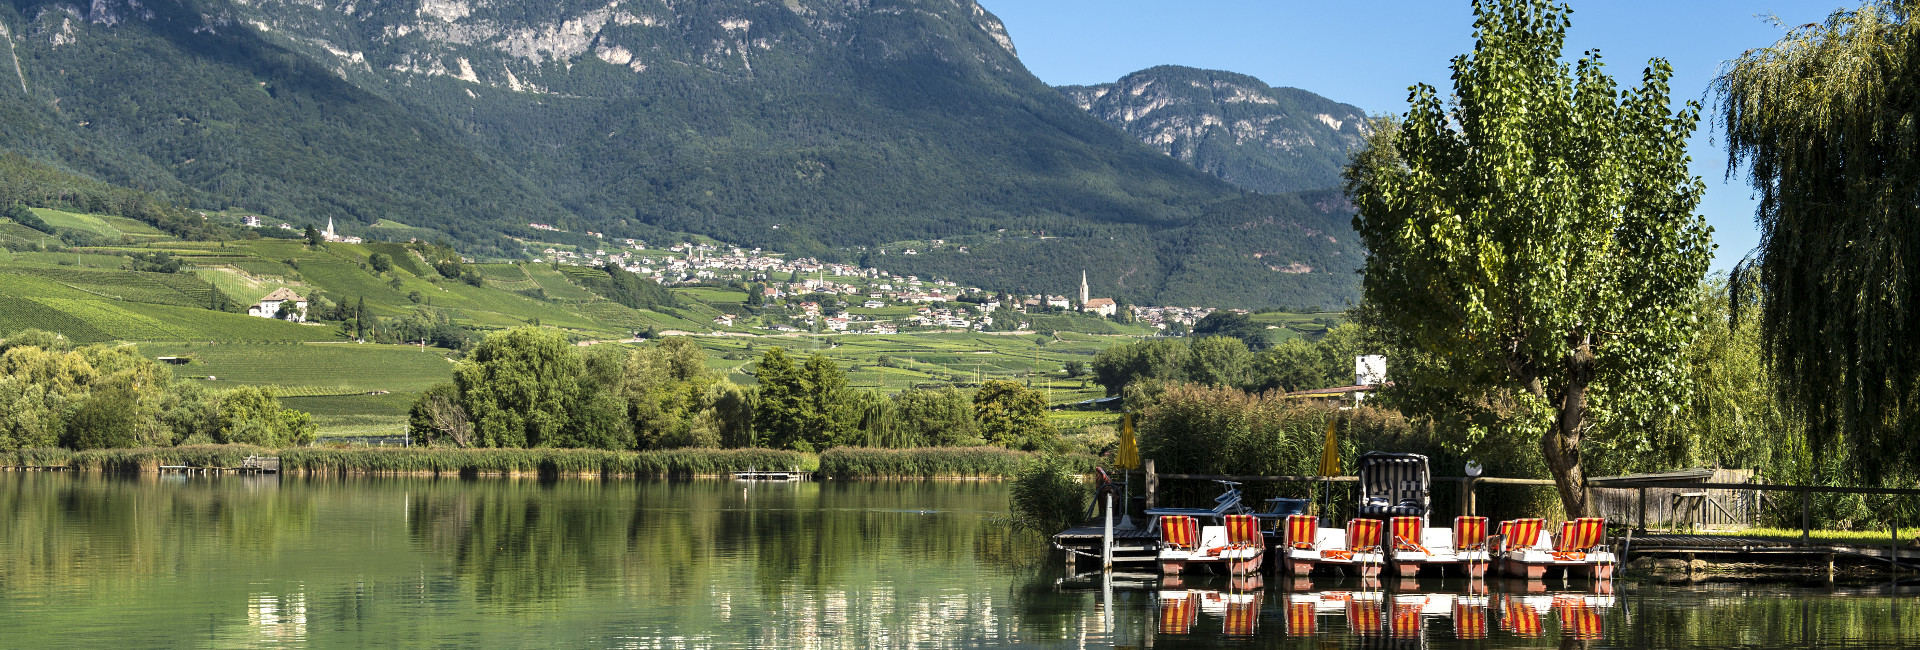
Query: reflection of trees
point(72, 531)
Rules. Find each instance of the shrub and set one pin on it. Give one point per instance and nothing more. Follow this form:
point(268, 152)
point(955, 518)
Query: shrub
point(1049, 495)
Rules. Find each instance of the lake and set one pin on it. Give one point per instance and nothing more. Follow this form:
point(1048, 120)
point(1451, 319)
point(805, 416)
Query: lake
point(153, 560)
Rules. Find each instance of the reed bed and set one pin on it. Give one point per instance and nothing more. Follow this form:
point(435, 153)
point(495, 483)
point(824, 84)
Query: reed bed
point(544, 462)
point(933, 462)
point(142, 459)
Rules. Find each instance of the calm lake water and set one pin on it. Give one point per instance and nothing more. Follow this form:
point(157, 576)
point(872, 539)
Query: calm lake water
point(145, 561)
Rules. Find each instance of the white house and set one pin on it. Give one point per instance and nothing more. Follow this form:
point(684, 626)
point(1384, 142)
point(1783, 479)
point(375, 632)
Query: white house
point(1101, 306)
point(269, 307)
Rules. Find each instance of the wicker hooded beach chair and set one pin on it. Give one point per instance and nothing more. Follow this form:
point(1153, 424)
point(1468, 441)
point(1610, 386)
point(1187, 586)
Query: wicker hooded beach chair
point(1394, 485)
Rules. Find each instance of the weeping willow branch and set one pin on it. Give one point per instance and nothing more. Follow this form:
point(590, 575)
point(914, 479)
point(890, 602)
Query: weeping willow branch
point(1825, 120)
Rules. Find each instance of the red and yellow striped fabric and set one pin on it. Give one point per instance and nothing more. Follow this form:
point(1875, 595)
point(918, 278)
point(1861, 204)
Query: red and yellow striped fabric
point(1525, 532)
point(1242, 617)
point(1177, 614)
point(1469, 621)
point(1579, 621)
point(1363, 616)
point(1506, 534)
point(1363, 535)
point(1469, 532)
point(1406, 620)
point(1589, 533)
point(1179, 532)
point(1301, 617)
point(1406, 534)
point(1301, 531)
point(1518, 618)
point(1243, 531)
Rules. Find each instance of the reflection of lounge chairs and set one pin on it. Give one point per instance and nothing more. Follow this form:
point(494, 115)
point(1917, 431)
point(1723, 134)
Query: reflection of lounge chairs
point(1177, 612)
point(1393, 485)
point(1578, 619)
point(1302, 614)
point(1470, 618)
point(1519, 617)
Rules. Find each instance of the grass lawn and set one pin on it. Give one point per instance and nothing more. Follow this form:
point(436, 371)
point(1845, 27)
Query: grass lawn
point(1860, 537)
point(329, 380)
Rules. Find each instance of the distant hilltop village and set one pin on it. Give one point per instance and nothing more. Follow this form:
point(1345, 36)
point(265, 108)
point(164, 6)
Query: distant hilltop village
point(865, 288)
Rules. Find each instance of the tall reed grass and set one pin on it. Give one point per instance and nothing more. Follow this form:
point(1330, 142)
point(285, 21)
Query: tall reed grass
point(544, 462)
point(934, 462)
point(142, 459)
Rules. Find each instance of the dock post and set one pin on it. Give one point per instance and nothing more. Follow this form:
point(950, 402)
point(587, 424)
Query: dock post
point(1806, 516)
point(1106, 539)
point(1153, 482)
point(1643, 510)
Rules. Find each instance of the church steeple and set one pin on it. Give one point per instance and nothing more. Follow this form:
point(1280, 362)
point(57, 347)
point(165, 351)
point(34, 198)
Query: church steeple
point(329, 232)
point(1083, 287)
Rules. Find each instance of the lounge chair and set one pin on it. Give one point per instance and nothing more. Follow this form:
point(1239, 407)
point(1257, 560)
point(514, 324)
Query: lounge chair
point(1179, 543)
point(1523, 553)
point(1581, 548)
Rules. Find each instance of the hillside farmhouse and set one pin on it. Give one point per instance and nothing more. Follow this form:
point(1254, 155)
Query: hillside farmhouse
point(269, 307)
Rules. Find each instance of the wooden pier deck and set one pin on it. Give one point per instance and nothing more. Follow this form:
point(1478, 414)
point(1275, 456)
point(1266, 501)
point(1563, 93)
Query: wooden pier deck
point(1131, 545)
point(1727, 546)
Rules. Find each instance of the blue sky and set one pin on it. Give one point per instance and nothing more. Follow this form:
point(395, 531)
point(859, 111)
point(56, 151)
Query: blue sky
point(1366, 53)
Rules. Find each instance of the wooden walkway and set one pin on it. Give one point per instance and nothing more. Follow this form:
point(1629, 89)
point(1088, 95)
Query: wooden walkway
point(1130, 545)
point(1733, 545)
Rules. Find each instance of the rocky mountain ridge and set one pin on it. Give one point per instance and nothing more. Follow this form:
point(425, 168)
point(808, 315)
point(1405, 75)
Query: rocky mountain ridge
point(1233, 126)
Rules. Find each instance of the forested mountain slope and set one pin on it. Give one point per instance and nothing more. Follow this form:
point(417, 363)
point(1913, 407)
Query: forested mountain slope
point(815, 127)
point(1265, 139)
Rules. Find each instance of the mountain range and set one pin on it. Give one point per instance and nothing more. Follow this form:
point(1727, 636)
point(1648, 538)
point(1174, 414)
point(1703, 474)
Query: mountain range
point(831, 128)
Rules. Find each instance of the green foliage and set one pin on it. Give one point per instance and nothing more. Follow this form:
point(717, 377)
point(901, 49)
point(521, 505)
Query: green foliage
point(1236, 325)
point(628, 289)
point(544, 462)
point(250, 415)
point(803, 407)
point(1826, 120)
point(21, 215)
point(99, 397)
point(932, 462)
point(1012, 415)
point(520, 387)
point(1535, 241)
point(1049, 495)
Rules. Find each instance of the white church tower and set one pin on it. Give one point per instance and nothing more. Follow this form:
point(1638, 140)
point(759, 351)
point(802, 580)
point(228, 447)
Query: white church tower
point(1083, 288)
point(328, 235)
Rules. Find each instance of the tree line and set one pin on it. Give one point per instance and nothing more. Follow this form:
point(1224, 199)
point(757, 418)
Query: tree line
point(56, 394)
point(530, 387)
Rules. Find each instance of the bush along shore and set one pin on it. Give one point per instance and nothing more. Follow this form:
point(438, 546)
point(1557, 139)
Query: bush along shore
point(935, 462)
point(836, 463)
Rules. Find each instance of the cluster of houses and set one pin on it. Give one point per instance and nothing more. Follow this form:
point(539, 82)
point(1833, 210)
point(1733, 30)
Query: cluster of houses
point(785, 277)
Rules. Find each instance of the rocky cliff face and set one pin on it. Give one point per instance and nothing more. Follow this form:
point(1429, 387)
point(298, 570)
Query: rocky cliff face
point(1231, 125)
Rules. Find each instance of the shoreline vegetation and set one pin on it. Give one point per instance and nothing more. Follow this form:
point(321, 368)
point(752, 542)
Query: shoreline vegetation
point(841, 463)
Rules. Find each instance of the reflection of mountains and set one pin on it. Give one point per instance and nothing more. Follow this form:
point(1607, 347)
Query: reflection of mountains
point(71, 531)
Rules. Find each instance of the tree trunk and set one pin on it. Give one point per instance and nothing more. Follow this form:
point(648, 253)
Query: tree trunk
point(1561, 442)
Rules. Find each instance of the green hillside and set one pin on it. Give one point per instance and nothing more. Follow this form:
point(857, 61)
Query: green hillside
point(815, 127)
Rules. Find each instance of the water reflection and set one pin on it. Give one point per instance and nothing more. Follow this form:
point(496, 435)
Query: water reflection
point(232, 561)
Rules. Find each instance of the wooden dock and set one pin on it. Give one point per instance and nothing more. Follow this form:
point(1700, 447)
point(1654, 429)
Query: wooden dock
point(251, 465)
point(1130, 545)
point(1771, 549)
point(769, 475)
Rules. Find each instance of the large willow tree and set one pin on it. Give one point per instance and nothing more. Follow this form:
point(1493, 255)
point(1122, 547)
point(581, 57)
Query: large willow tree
point(1829, 119)
point(1532, 245)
